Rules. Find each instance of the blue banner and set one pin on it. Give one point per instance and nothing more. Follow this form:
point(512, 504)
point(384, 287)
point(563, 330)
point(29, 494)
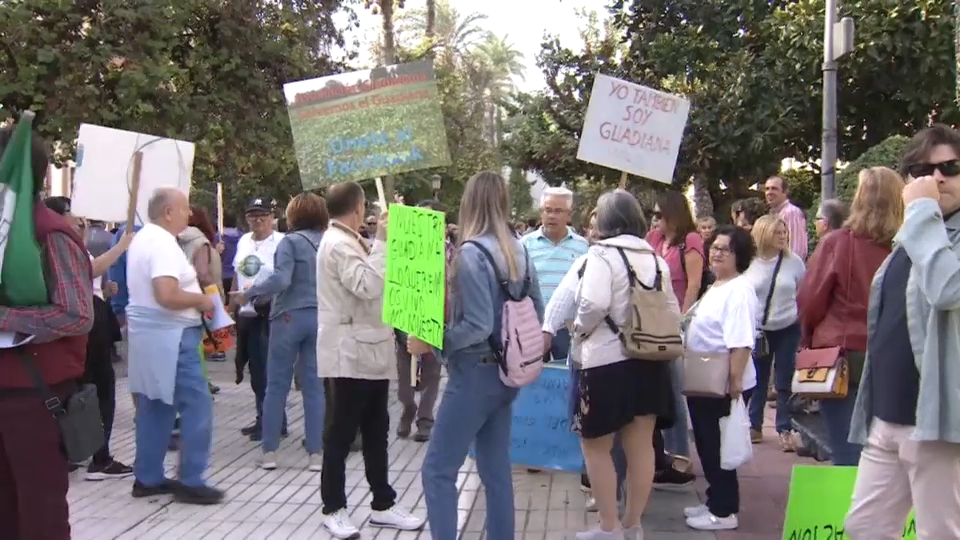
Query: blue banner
point(541, 436)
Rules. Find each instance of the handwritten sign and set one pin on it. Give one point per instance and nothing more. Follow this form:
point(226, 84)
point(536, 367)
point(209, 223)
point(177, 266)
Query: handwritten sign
point(818, 503)
point(369, 123)
point(541, 435)
point(633, 128)
point(416, 273)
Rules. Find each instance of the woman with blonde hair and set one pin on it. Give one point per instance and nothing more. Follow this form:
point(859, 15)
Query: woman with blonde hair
point(776, 274)
point(477, 407)
point(835, 293)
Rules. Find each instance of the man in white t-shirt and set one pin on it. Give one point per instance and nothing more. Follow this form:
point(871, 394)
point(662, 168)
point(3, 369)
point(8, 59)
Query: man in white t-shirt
point(164, 333)
point(252, 264)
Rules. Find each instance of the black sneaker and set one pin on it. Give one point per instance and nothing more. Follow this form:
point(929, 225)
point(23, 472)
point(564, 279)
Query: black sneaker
point(250, 430)
point(197, 495)
point(257, 435)
point(163, 488)
point(585, 483)
point(669, 479)
point(74, 467)
point(114, 469)
point(214, 389)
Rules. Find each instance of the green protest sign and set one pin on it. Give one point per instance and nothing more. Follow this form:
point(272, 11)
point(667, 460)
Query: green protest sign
point(818, 503)
point(416, 273)
point(364, 124)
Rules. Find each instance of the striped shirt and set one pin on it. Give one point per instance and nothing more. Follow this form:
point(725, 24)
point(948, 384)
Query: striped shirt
point(796, 222)
point(553, 261)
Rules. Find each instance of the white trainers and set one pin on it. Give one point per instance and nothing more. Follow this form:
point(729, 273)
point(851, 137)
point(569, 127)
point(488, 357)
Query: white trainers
point(591, 505)
point(709, 522)
point(315, 463)
point(396, 518)
point(340, 526)
point(268, 461)
point(694, 511)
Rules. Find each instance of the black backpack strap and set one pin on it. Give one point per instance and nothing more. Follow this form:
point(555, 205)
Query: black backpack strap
point(632, 276)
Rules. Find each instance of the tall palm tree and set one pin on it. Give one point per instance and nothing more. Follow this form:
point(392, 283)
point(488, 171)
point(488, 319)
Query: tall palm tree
point(455, 34)
point(502, 64)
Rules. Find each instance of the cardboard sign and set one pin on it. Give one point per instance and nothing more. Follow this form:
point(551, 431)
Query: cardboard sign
point(416, 273)
point(104, 174)
point(365, 124)
point(818, 503)
point(633, 128)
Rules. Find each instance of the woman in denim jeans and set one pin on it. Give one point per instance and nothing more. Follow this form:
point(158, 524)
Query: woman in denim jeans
point(476, 407)
point(293, 328)
point(835, 292)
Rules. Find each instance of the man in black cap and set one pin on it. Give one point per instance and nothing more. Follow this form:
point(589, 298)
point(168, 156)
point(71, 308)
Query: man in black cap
point(252, 264)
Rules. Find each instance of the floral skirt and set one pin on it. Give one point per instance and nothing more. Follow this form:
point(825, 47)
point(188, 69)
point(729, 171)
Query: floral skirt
point(609, 397)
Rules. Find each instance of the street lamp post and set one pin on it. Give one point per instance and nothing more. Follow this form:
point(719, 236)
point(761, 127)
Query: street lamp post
point(837, 41)
point(435, 182)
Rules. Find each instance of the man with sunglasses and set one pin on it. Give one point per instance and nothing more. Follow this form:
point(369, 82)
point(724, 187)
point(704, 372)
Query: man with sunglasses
point(907, 413)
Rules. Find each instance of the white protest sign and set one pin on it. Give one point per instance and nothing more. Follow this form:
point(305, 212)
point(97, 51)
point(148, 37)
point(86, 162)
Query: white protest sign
point(633, 128)
point(102, 179)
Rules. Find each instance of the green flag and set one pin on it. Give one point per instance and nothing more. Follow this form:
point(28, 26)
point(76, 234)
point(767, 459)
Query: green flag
point(21, 275)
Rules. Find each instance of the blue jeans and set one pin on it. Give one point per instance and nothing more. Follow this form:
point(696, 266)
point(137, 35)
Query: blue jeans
point(782, 360)
point(293, 346)
point(836, 414)
point(616, 453)
point(154, 421)
point(476, 409)
point(676, 440)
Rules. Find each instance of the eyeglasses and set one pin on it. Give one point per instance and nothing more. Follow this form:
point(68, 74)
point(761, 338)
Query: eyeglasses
point(554, 211)
point(258, 217)
point(946, 168)
point(721, 250)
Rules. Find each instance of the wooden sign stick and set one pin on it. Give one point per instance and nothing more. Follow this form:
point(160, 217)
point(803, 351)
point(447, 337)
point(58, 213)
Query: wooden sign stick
point(623, 179)
point(220, 208)
point(134, 191)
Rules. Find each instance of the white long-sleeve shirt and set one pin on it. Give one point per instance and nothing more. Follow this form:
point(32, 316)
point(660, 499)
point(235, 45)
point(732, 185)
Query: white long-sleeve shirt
point(562, 307)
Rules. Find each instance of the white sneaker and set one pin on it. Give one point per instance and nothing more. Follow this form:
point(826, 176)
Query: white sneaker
point(269, 461)
point(396, 518)
point(694, 511)
point(710, 522)
point(315, 463)
point(340, 526)
point(591, 505)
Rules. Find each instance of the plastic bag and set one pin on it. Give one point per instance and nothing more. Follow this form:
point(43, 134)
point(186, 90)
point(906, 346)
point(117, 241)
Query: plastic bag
point(735, 446)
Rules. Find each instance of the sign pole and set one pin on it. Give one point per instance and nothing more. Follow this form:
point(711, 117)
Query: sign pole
point(623, 179)
point(220, 208)
point(134, 191)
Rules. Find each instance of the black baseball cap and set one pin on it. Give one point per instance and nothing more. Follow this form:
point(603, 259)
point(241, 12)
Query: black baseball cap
point(260, 205)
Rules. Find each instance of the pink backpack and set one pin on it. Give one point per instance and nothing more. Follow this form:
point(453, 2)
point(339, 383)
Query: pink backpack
point(520, 348)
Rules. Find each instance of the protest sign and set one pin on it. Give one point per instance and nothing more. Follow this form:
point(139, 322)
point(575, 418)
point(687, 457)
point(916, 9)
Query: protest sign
point(416, 273)
point(818, 503)
point(365, 124)
point(632, 128)
point(105, 170)
point(541, 435)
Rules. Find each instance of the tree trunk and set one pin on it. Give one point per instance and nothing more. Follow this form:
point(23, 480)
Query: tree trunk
point(389, 58)
point(956, 30)
point(432, 18)
point(702, 201)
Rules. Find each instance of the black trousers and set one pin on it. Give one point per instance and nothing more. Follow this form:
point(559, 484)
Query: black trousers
point(723, 489)
point(255, 333)
point(661, 460)
point(357, 404)
point(98, 371)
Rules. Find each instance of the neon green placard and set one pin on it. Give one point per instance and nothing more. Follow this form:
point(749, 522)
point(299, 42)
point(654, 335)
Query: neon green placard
point(818, 503)
point(416, 273)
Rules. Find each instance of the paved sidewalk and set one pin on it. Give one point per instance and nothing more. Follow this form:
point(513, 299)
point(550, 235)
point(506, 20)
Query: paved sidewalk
point(285, 504)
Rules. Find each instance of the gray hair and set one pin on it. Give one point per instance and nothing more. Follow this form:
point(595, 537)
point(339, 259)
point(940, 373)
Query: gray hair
point(161, 199)
point(834, 212)
point(561, 192)
point(618, 212)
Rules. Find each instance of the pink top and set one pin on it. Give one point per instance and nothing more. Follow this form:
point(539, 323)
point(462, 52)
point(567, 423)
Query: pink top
point(671, 254)
point(796, 222)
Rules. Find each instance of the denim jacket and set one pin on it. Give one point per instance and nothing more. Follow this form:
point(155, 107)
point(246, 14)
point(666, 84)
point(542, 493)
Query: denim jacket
point(477, 298)
point(933, 322)
point(294, 277)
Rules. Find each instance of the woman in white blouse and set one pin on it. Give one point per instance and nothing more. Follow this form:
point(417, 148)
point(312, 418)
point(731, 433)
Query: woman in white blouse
point(724, 322)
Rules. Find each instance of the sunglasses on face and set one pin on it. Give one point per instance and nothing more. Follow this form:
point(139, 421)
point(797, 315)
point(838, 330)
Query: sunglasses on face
point(657, 215)
point(946, 168)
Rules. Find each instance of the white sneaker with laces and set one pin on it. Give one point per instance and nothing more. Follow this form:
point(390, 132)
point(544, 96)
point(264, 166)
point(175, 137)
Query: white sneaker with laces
point(396, 518)
point(710, 522)
point(694, 511)
point(315, 463)
point(340, 525)
point(269, 461)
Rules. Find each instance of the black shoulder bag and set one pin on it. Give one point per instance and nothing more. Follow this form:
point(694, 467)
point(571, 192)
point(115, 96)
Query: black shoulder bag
point(78, 419)
point(762, 346)
point(706, 276)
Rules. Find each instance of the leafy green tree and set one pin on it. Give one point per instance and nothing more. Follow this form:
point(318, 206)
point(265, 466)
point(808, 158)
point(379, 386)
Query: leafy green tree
point(521, 203)
point(207, 72)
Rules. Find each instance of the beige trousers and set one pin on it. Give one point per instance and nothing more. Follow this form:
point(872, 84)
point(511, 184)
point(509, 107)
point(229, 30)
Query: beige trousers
point(897, 474)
